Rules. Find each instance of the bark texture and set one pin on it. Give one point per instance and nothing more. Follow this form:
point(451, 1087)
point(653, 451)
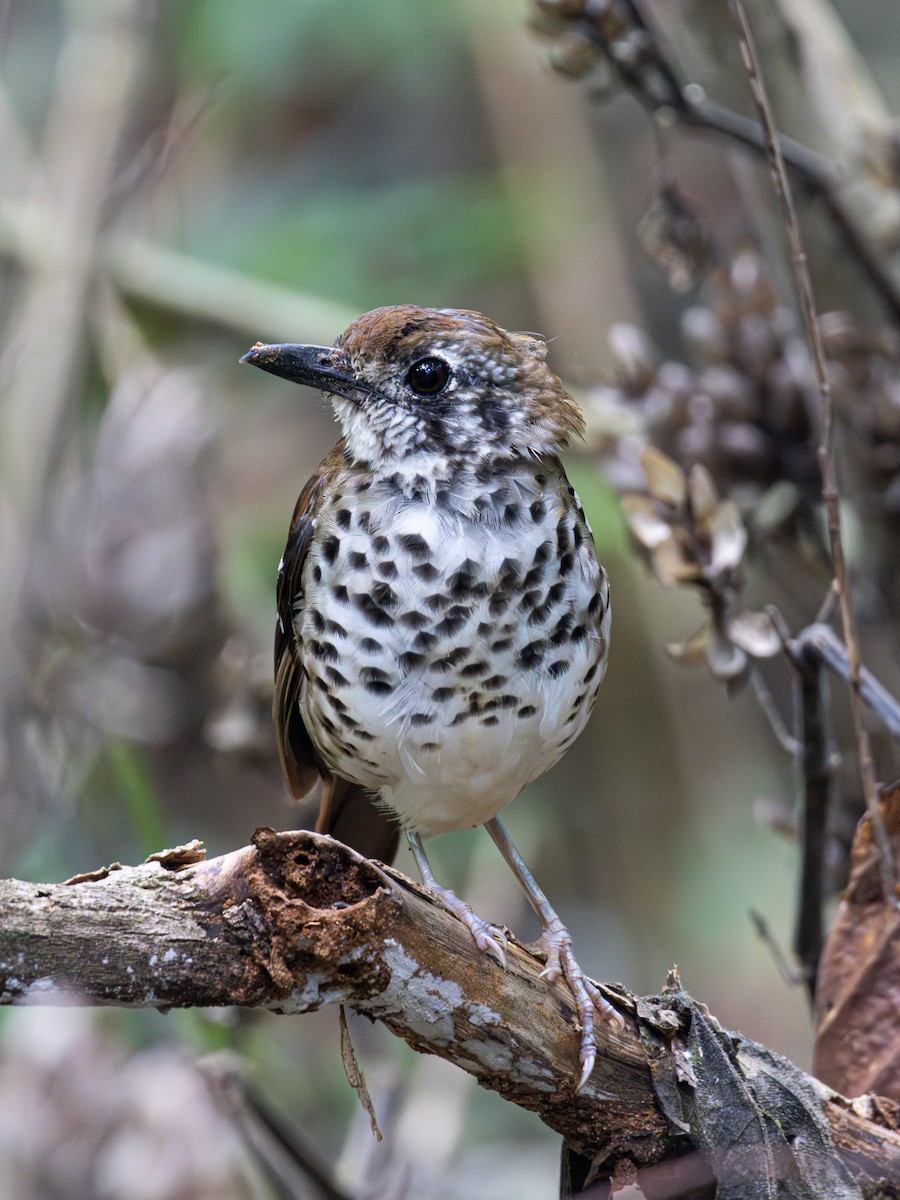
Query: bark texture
point(297, 920)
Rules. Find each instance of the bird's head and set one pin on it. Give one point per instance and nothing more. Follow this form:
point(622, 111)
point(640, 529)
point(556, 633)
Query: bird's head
point(411, 383)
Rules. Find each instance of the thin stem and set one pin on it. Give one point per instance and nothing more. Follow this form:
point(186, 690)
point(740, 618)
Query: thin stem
point(764, 933)
point(278, 1146)
point(766, 702)
point(821, 642)
point(655, 84)
point(830, 494)
point(813, 761)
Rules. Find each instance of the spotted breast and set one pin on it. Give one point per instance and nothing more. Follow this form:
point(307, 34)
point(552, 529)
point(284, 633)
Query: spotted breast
point(451, 650)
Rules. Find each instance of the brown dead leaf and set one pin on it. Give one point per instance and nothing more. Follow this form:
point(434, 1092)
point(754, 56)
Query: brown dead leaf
point(754, 632)
point(672, 236)
point(665, 479)
point(702, 493)
point(646, 525)
point(692, 652)
point(858, 990)
point(728, 538)
point(673, 563)
point(355, 1076)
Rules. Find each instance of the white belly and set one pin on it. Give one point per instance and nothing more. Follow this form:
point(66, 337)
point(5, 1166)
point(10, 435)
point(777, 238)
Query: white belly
point(446, 691)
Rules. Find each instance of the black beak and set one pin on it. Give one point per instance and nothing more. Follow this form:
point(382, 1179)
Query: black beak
point(324, 367)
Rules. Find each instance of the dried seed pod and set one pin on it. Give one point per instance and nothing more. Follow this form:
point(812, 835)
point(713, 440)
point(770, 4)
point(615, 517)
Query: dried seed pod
point(634, 355)
point(731, 392)
point(705, 335)
point(665, 479)
point(672, 236)
point(573, 54)
point(755, 633)
point(747, 413)
point(702, 494)
point(645, 522)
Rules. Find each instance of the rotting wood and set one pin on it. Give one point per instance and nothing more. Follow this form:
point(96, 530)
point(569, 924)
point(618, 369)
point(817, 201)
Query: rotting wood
point(297, 920)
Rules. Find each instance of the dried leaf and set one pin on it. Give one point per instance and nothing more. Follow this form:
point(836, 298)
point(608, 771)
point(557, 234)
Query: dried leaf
point(633, 353)
point(672, 236)
point(644, 521)
point(355, 1076)
point(702, 494)
point(671, 564)
point(755, 1118)
point(755, 632)
point(692, 652)
point(778, 506)
point(728, 537)
point(665, 479)
point(858, 988)
point(725, 660)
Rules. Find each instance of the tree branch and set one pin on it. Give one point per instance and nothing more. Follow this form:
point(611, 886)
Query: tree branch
point(821, 643)
point(629, 41)
point(297, 920)
point(814, 761)
point(178, 282)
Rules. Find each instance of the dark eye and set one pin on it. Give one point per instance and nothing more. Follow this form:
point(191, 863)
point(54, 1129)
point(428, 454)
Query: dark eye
point(428, 376)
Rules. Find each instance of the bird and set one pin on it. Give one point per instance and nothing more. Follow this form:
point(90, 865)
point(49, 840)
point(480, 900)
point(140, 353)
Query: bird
point(443, 617)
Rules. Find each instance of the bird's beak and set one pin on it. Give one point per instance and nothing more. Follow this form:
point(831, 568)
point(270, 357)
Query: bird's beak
point(324, 367)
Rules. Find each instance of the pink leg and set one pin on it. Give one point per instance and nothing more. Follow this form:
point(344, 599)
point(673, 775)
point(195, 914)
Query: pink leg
point(488, 938)
point(557, 943)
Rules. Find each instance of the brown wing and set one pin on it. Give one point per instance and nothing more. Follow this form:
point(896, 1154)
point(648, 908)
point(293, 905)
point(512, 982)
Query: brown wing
point(346, 811)
point(295, 748)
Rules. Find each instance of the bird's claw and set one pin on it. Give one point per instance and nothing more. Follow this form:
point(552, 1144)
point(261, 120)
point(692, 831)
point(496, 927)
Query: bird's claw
point(557, 944)
point(587, 1066)
point(489, 939)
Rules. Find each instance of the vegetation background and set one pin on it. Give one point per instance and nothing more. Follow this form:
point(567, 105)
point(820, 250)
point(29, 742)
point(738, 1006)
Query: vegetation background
point(179, 180)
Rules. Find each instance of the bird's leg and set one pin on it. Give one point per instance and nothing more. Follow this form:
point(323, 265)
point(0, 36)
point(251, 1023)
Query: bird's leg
point(486, 937)
point(557, 943)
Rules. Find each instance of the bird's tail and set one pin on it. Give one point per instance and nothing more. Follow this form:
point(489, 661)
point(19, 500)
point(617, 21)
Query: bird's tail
point(349, 813)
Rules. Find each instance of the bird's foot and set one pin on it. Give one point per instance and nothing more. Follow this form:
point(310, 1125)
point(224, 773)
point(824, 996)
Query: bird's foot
point(557, 945)
point(488, 938)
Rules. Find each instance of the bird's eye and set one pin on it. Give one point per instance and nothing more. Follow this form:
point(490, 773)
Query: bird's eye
point(428, 376)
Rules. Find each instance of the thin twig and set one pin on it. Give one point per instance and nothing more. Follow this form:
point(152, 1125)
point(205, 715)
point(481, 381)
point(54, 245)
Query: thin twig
point(814, 767)
point(814, 173)
point(821, 642)
point(788, 973)
point(766, 702)
point(830, 495)
point(654, 81)
point(289, 1164)
point(179, 283)
point(829, 604)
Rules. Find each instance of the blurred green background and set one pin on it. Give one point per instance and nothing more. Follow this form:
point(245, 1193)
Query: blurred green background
point(177, 181)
